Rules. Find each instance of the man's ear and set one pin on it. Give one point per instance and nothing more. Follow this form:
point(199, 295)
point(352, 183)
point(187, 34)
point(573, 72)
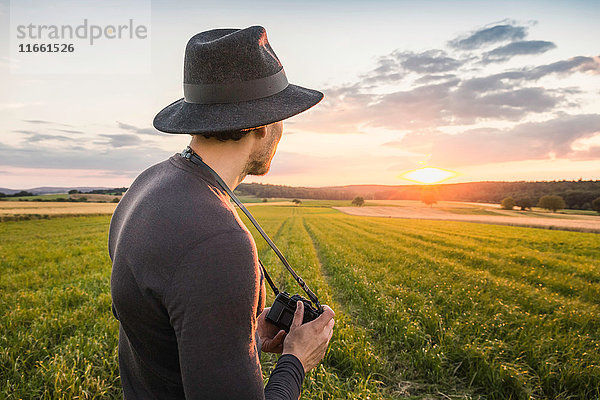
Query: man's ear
point(261, 131)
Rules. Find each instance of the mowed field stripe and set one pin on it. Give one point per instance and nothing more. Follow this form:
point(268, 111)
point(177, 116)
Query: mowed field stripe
point(529, 298)
point(552, 244)
point(538, 270)
point(555, 243)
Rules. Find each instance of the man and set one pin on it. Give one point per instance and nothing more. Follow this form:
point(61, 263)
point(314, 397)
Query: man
point(186, 284)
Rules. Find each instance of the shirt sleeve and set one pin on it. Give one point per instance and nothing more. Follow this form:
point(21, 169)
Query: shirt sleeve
point(212, 301)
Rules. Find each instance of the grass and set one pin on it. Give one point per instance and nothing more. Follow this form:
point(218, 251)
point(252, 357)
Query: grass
point(57, 337)
point(424, 309)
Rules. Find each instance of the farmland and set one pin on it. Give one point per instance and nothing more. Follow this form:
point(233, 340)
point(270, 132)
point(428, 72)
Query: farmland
point(424, 309)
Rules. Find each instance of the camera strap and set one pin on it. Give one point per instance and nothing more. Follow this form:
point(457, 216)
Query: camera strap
point(190, 155)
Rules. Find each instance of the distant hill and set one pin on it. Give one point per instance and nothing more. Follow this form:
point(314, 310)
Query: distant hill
point(52, 189)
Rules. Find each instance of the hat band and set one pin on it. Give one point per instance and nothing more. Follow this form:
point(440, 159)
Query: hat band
point(212, 93)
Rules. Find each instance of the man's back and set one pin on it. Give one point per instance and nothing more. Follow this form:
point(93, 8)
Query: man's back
point(186, 288)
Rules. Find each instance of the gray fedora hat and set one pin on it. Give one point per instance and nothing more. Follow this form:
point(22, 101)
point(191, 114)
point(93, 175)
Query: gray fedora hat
point(232, 80)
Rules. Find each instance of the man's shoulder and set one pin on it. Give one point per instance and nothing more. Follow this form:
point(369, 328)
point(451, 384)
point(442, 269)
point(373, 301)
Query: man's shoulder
point(167, 184)
point(166, 205)
point(233, 242)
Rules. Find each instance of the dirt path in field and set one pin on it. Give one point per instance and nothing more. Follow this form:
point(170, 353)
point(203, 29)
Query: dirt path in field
point(580, 223)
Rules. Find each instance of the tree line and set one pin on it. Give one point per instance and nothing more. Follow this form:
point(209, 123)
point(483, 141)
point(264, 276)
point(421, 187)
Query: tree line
point(576, 194)
point(114, 192)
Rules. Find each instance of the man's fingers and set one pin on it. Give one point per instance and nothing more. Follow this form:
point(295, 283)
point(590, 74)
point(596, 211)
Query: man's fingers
point(264, 313)
point(279, 337)
point(326, 316)
point(298, 315)
point(330, 328)
point(327, 310)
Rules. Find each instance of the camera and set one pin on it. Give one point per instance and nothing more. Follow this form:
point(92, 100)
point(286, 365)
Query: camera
point(282, 311)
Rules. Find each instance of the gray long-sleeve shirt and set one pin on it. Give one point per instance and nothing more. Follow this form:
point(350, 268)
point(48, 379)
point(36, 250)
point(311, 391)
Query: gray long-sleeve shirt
point(187, 289)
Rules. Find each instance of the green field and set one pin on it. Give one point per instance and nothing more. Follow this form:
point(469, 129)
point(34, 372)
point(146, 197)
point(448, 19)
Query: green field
point(424, 309)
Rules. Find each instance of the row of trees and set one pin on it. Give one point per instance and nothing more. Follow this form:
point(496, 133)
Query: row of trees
point(548, 202)
point(24, 193)
point(18, 194)
point(576, 194)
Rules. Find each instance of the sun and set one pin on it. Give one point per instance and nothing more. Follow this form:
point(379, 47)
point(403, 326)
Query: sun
point(428, 175)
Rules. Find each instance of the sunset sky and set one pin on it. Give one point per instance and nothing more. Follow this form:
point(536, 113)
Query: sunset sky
point(504, 90)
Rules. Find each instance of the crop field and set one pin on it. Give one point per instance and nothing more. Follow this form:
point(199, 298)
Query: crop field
point(424, 309)
point(17, 210)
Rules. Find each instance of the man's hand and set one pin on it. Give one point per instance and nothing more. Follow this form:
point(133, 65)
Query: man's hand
point(309, 341)
point(270, 336)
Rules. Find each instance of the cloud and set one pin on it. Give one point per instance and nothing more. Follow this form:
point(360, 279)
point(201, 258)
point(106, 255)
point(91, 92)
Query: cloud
point(526, 141)
point(444, 99)
point(135, 129)
point(396, 66)
point(486, 36)
point(445, 87)
point(435, 78)
point(339, 112)
point(68, 131)
point(119, 140)
point(45, 122)
point(575, 64)
point(510, 50)
point(36, 137)
point(113, 159)
point(518, 77)
point(37, 121)
point(388, 70)
point(418, 142)
point(440, 104)
point(427, 62)
point(421, 107)
point(468, 106)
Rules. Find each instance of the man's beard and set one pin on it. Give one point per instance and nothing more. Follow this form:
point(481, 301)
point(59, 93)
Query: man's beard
point(256, 167)
point(260, 162)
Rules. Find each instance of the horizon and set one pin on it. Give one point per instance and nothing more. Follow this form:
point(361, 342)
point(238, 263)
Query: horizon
point(484, 90)
point(318, 187)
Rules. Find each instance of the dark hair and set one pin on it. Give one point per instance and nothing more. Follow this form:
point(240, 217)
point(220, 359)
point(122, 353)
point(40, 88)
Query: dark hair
point(228, 135)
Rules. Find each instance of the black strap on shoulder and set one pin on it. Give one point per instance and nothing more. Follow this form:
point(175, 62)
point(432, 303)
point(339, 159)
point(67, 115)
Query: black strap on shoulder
point(189, 154)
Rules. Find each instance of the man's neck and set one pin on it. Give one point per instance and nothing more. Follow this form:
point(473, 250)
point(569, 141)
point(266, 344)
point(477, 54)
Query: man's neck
point(229, 161)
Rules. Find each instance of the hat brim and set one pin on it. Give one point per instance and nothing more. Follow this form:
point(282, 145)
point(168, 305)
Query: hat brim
point(188, 118)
